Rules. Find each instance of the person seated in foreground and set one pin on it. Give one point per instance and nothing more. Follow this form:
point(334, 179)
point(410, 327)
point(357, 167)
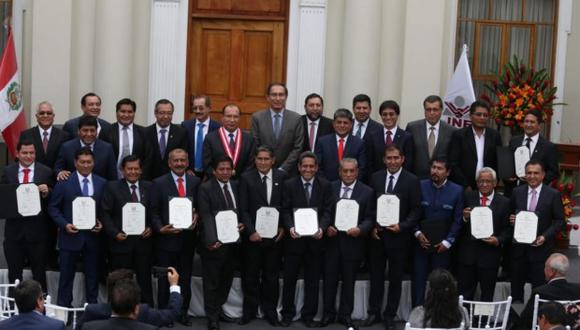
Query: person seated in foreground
point(551, 316)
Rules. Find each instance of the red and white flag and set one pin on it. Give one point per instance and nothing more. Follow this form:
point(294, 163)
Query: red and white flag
point(12, 119)
point(459, 94)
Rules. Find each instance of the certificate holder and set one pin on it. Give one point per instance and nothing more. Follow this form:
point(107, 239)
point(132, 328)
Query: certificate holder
point(180, 212)
point(388, 210)
point(481, 221)
point(521, 158)
point(306, 221)
point(267, 219)
point(133, 218)
point(526, 227)
point(226, 224)
point(84, 215)
point(28, 199)
point(346, 215)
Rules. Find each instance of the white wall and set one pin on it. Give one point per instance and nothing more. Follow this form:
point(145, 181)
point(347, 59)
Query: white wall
point(571, 113)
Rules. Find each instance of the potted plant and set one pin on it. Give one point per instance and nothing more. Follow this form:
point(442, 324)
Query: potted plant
point(566, 185)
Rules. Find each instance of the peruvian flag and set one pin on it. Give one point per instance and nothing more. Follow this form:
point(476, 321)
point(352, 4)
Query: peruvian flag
point(459, 94)
point(12, 119)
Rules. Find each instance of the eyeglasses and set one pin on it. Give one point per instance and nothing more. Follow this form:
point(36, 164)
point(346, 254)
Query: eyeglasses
point(481, 114)
point(277, 94)
point(45, 113)
point(485, 182)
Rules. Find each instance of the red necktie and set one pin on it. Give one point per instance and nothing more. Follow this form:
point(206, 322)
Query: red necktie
point(340, 148)
point(483, 201)
point(180, 187)
point(388, 140)
point(26, 179)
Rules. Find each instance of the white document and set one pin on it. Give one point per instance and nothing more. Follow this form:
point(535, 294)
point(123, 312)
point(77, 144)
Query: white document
point(267, 221)
point(133, 219)
point(84, 215)
point(481, 220)
point(526, 227)
point(388, 210)
point(180, 212)
point(226, 225)
point(521, 158)
point(28, 199)
point(346, 216)
point(305, 222)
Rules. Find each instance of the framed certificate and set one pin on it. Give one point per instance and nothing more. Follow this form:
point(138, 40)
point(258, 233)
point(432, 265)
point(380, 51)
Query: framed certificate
point(526, 227)
point(226, 224)
point(84, 215)
point(267, 221)
point(481, 220)
point(305, 222)
point(28, 199)
point(346, 215)
point(133, 219)
point(521, 158)
point(180, 212)
point(388, 210)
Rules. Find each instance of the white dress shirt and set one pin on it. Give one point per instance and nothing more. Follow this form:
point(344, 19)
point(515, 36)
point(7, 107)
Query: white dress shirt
point(90, 183)
point(479, 147)
point(21, 173)
point(435, 131)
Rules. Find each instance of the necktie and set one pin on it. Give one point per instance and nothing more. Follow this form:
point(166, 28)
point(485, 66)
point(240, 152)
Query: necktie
point(126, 151)
point(431, 141)
point(180, 187)
point(390, 185)
point(312, 135)
point(528, 145)
point(483, 200)
point(232, 143)
point(359, 131)
point(26, 178)
point(162, 143)
point(265, 187)
point(533, 201)
point(229, 199)
point(199, 147)
point(45, 141)
point(340, 148)
point(277, 126)
point(389, 139)
point(307, 191)
point(85, 187)
point(134, 197)
point(345, 193)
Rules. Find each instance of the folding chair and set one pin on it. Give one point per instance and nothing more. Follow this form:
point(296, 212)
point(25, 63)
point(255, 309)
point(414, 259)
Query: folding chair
point(408, 327)
point(572, 309)
point(7, 305)
point(61, 313)
point(487, 315)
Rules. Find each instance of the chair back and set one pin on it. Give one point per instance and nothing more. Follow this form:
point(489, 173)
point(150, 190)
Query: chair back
point(487, 315)
point(61, 313)
point(7, 304)
point(572, 308)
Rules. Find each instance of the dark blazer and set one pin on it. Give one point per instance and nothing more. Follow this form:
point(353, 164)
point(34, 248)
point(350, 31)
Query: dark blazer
point(57, 138)
point(164, 189)
point(189, 126)
point(463, 155)
point(211, 201)
point(105, 161)
point(327, 154)
point(60, 210)
point(140, 147)
point(372, 127)
point(421, 160)
point(71, 126)
point(471, 251)
point(324, 128)
point(176, 138)
point(213, 149)
point(321, 198)
point(545, 151)
point(117, 323)
point(375, 146)
point(31, 321)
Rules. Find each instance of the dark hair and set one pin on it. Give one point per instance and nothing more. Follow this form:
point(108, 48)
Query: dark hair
point(441, 306)
point(307, 154)
point(126, 101)
point(343, 113)
point(361, 98)
point(439, 160)
point(163, 101)
point(23, 143)
point(229, 105)
point(265, 148)
point(269, 88)
point(536, 113)
point(554, 312)
point(536, 162)
point(84, 98)
point(432, 99)
point(26, 294)
point(85, 151)
point(126, 295)
point(130, 158)
point(393, 147)
point(201, 96)
point(87, 120)
point(479, 104)
point(313, 96)
point(222, 159)
point(116, 276)
point(390, 104)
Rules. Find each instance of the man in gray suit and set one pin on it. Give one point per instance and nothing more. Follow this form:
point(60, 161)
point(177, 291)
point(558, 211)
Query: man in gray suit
point(431, 136)
point(279, 128)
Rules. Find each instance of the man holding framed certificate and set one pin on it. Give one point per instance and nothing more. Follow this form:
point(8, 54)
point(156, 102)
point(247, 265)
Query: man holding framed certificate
point(65, 210)
point(546, 203)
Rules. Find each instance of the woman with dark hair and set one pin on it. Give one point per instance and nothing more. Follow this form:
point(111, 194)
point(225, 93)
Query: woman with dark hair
point(441, 308)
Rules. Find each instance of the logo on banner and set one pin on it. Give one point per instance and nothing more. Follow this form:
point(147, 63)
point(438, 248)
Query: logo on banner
point(14, 96)
point(457, 112)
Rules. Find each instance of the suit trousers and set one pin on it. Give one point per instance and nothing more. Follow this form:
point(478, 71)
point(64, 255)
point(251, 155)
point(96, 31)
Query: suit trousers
point(337, 266)
point(468, 276)
point(68, 262)
point(217, 273)
point(425, 262)
point(524, 270)
point(17, 251)
point(140, 262)
point(183, 263)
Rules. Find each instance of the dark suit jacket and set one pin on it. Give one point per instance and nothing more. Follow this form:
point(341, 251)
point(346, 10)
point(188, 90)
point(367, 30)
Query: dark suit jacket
point(475, 252)
point(550, 214)
point(327, 154)
point(375, 146)
point(372, 127)
point(321, 198)
point(176, 138)
point(31, 229)
point(211, 201)
point(213, 149)
point(57, 138)
point(324, 127)
point(140, 147)
point(31, 321)
point(418, 130)
point(545, 151)
point(189, 126)
point(463, 155)
point(105, 161)
point(60, 210)
point(71, 126)
point(117, 323)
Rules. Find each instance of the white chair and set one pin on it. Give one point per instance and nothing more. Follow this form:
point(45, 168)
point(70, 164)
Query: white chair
point(487, 315)
point(7, 305)
point(538, 300)
point(409, 327)
point(61, 313)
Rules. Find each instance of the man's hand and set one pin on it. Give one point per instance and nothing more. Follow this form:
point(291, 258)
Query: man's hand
point(280, 235)
point(98, 226)
point(214, 246)
point(293, 233)
point(194, 220)
point(241, 227)
point(331, 231)
point(540, 240)
point(121, 237)
point(394, 228)
point(62, 175)
point(492, 240)
point(71, 229)
point(147, 232)
point(255, 237)
point(441, 248)
point(423, 241)
point(43, 188)
point(190, 172)
point(375, 233)
point(512, 219)
point(172, 276)
point(466, 213)
point(169, 230)
point(353, 232)
point(318, 234)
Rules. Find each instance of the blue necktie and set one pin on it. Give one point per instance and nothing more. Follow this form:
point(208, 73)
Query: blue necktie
point(162, 143)
point(277, 126)
point(199, 147)
point(85, 187)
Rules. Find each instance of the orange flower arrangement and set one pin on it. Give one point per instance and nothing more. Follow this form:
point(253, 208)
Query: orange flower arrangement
point(565, 185)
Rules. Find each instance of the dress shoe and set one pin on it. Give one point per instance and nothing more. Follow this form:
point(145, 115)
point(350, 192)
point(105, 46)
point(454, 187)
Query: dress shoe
point(389, 324)
point(273, 321)
point(326, 320)
point(346, 321)
point(185, 320)
point(227, 319)
point(213, 325)
point(370, 320)
point(170, 325)
point(245, 320)
point(285, 323)
point(311, 323)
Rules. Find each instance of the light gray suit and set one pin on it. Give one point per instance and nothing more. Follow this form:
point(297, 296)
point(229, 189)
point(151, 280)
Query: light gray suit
point(418, 129)
point(289, 145)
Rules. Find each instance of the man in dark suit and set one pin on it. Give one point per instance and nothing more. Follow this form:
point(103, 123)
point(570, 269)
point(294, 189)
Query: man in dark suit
point(30, 302)
point(332, 148)
point(91, 106)
point(197, 129)
point(261, 187)
point(528, 259)
point(129, 251)
point(431, 136)
point(73, 243)
point(162, 137)
point(363, 125)
point(104, 158)
point(25, 238)
point(377, 141)
point(304, 192)
point(175, 247)
point(315, 124)
point(552, 316)
point(218, 260)
point(473, 147)
point(345, 247)
point(392, 242)
point(231, 141)
point(478, 259)
point(279, 128)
